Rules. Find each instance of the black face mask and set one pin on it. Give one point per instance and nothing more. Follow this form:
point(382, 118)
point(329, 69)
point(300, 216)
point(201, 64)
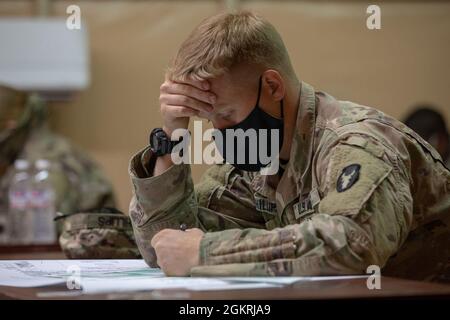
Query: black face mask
point(247, 152)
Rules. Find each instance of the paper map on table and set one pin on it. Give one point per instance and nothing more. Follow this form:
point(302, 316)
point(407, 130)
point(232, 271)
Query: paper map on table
point(99, 276)
point(33, 273)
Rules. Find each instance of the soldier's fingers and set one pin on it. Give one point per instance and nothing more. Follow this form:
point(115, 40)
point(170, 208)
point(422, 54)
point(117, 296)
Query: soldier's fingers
point(181, 100)
point(200, 84)
point(181, 111)
point(188, 90)
point(205, 115)
point(154, 241)
point(158, 236)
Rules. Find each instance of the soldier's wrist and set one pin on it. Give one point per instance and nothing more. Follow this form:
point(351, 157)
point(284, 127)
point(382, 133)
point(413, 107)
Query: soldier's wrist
point(168, 130)
point(205, 248)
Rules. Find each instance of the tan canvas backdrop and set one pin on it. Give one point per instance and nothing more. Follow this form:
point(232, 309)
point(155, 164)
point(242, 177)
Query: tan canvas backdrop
point(131, 42)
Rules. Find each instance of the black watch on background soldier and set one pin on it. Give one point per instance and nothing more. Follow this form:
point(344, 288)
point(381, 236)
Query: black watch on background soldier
point(160, 142)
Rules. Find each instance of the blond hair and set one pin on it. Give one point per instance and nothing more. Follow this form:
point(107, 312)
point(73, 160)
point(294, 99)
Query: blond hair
point(225, 40)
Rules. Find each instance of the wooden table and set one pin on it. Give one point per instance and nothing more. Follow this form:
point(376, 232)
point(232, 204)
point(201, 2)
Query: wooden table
point(323, 289)
point(31, 252)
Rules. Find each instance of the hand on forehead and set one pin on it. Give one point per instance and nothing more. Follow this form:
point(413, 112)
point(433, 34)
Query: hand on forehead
point(200, 90)
point(203, 85)
point(232, 92)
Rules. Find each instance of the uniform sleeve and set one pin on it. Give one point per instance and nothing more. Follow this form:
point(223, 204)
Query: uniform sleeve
point(222, 200)
point(159, 202)
point(362, 219)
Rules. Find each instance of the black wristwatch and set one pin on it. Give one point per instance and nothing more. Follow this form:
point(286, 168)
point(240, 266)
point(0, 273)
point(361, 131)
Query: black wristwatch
point(160, 142)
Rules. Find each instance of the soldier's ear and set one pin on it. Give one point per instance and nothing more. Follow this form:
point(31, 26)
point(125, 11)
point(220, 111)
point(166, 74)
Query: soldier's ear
point(272, 80)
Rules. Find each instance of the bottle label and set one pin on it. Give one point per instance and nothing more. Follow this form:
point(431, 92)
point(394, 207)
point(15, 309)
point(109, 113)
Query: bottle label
point(41, 198)
point(18, 200)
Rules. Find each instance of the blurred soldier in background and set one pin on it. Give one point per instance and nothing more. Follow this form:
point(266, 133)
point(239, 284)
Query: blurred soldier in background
point(24, 134)
point(430, 125)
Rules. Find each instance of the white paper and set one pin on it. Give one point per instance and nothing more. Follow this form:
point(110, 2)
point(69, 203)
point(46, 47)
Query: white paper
point(196, 284)
point(101, 276)
point(34, 273)
point(290, 280)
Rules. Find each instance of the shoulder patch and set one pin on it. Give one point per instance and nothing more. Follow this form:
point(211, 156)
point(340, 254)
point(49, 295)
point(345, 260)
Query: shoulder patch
point(348, 177)
point(351, 176)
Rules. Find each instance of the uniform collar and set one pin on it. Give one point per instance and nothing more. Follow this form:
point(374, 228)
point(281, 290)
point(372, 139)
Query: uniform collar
point(298, 170)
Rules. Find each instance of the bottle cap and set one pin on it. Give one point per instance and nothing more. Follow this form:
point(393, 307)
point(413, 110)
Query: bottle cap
point(21, 164)
point(42, 164)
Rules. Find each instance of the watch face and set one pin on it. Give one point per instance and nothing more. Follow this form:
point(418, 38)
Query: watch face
point(158, 141)
point(155, 142)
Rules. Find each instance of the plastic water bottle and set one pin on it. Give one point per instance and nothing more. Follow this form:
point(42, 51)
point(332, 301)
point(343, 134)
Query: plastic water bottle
point(42, 201)
point(20, 219)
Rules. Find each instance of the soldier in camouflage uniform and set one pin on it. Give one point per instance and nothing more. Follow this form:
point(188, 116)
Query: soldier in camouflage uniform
point(78, 182)
point(359, 188)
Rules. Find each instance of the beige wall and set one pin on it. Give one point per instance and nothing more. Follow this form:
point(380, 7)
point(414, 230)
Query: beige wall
point(404, 63)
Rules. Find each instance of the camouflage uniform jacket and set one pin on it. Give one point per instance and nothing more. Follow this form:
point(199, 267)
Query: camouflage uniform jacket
point(360, 189)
